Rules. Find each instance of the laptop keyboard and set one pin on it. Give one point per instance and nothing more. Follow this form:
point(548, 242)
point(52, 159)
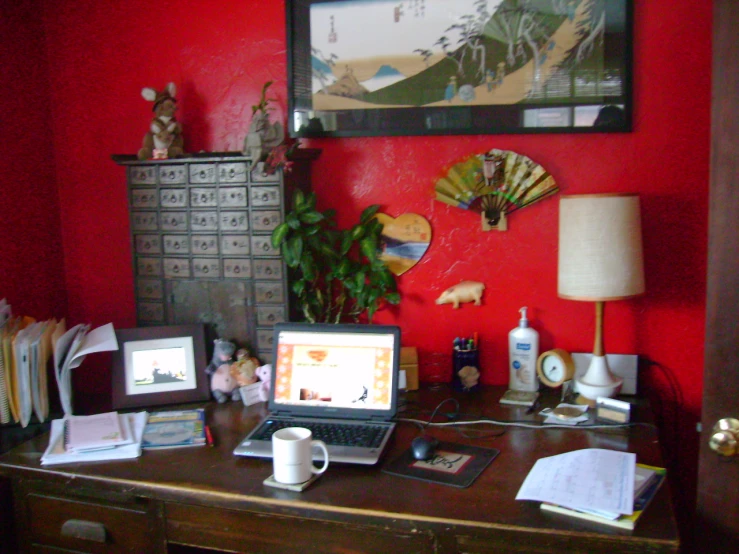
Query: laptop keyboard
point(335, 434)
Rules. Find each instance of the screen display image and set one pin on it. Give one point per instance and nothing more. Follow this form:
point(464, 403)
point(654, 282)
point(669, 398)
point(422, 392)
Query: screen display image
point(164, 365)
point(341, 370)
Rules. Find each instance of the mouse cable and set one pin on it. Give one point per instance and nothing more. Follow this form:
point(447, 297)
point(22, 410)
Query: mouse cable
point(521, 424)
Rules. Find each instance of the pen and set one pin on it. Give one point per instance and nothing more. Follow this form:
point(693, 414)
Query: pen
point(209, 436)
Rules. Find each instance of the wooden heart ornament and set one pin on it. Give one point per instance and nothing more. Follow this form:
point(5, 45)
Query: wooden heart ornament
point(405, 240)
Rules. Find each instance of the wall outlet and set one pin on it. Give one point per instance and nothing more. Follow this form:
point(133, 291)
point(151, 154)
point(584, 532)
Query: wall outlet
point(623, 365)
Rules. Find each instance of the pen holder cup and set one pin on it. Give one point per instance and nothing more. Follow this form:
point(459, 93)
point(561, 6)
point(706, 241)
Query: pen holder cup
point(466, 370)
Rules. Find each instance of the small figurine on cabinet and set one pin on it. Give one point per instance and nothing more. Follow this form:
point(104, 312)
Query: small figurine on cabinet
point(164, 139)
point(222, 383)
point(263, 135)
point(466, 291)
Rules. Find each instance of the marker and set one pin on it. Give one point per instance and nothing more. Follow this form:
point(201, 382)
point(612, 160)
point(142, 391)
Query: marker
point(209, 437)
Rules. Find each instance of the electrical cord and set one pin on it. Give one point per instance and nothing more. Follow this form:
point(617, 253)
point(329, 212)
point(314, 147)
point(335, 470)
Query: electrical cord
point(523, 424)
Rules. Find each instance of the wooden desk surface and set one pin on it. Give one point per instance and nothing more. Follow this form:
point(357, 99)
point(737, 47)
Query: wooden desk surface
point(480, 517)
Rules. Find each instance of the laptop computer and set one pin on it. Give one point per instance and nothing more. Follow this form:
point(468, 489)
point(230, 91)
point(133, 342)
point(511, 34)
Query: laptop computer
point(327, 377)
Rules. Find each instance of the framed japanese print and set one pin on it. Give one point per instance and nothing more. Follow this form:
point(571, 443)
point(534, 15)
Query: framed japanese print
point(160, 365)
point(440, 67)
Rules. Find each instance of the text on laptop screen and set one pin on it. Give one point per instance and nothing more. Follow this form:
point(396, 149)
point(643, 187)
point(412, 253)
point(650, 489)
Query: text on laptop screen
point(341, 370)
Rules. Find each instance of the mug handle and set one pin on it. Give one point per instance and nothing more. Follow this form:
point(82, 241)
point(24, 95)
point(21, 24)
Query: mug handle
point(322, 446)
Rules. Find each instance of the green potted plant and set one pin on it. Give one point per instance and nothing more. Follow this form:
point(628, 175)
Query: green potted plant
point(335, 275)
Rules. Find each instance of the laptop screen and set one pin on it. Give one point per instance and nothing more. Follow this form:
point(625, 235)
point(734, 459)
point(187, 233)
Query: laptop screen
point(335, 369)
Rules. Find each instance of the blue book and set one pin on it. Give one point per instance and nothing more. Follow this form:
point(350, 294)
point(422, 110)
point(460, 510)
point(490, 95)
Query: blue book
point(174, 429)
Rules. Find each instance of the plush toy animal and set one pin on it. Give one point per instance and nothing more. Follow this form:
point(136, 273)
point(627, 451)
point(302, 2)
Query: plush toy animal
point(243, 370)
point(265, 375)
point(222, 384)
point(466, 291)
point(164, 139)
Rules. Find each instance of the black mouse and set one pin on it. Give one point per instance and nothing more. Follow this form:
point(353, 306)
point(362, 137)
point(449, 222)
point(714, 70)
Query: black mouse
point(423, 447)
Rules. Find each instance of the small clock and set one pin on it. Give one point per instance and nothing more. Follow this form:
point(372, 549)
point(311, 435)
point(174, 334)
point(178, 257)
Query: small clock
point(554, 367)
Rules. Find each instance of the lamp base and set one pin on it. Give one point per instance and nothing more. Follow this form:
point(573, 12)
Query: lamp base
point(598, 381)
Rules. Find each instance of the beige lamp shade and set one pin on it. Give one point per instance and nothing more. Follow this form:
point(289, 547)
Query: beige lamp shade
point(600, 247)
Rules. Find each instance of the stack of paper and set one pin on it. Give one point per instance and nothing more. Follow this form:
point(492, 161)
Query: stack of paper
point(70, 349)
point(593, 478)
point(56, 453)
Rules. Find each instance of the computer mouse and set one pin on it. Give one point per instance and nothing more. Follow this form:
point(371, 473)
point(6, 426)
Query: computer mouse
point(423, 447)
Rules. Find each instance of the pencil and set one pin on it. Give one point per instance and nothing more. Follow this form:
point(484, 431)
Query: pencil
point(209, 436)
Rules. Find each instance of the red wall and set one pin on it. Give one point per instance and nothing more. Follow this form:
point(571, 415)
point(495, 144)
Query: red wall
point(31, 270)
point(100, 55)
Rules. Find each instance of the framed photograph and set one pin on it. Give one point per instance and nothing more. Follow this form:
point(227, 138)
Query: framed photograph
point(160, 365)
point(444, 67)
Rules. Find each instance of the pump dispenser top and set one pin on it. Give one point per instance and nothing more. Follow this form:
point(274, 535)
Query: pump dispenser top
point(523, 322)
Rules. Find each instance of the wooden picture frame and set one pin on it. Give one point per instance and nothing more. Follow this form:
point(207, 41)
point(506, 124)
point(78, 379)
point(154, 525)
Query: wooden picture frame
point(160, 365)
point(447, 67)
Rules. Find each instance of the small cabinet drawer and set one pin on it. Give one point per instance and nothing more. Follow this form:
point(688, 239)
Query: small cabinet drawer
point(89, 527)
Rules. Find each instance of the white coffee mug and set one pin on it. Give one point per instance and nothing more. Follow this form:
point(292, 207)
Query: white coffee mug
point(291, 455)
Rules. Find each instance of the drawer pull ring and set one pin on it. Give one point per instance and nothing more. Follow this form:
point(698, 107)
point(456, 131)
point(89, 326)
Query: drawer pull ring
point(85, 530)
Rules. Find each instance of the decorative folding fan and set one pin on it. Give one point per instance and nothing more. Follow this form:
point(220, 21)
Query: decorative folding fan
point(495, 184)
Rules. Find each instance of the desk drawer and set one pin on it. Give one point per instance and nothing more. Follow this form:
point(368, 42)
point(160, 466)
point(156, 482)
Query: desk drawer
point(237, 531)
point(87, 527)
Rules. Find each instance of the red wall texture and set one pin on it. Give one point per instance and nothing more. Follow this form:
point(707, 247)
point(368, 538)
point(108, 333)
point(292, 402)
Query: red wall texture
point(97, 56)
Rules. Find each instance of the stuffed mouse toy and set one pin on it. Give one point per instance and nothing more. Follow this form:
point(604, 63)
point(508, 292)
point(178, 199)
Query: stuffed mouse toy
point(164, 139)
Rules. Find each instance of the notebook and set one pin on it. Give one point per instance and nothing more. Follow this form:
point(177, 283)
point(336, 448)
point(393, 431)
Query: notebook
point(333, 374)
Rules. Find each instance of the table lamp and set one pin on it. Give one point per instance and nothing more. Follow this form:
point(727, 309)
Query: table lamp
point(600, 259)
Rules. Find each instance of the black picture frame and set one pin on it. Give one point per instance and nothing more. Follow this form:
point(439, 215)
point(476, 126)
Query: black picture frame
point(180, 380)
point(571, 72)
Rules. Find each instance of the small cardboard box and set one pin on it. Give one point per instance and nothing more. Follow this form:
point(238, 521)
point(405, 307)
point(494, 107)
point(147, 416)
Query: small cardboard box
point(409, 364)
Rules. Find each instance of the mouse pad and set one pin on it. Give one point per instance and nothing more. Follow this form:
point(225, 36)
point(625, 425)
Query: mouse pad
point(457, 465)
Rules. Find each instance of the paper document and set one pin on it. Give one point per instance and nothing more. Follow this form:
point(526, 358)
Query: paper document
point(71, 348)
point(593, 479)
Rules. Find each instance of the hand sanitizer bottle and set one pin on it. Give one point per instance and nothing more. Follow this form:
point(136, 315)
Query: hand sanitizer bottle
point(523, 344)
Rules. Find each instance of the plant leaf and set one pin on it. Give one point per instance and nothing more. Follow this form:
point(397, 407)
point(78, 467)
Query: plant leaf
point(294, 246)
point(368, 213)
point(368, 245)
point(311, 217)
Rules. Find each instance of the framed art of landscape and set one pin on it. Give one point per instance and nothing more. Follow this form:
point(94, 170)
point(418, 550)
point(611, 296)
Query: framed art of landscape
point(445, 67)
point(160, 365)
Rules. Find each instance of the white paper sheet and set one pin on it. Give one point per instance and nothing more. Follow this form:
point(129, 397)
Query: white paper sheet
point(593, 478)
point(70, 351)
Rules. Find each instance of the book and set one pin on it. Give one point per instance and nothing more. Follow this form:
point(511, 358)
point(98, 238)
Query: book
point(645, 489)
point(95, 432)
point(56, 453)
point(175, 429)
point(519, 398)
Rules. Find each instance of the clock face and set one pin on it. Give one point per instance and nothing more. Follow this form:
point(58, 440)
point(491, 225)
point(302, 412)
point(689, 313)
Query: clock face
point(555, 367)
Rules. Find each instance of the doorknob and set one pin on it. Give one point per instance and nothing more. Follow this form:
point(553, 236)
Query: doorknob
point(725, 437)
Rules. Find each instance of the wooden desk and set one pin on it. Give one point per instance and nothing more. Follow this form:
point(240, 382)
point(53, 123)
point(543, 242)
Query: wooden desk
point(207, 497)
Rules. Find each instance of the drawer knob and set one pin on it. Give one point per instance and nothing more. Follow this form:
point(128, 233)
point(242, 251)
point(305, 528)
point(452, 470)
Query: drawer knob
point(85, 530)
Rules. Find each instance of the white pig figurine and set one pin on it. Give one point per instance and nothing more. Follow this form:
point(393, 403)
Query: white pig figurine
point(466, 291)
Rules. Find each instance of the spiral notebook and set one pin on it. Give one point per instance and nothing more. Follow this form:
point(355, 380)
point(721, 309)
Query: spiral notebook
point(96, 432)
